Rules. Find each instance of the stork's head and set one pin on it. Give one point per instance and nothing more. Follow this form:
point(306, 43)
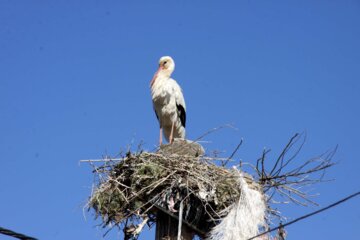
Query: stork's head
point(166, 67)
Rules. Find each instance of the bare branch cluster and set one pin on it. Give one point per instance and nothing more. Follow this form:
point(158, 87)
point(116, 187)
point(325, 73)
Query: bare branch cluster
point(287, 178)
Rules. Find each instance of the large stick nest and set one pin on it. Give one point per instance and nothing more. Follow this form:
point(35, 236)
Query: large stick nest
point(138, 182)
point(138, 185)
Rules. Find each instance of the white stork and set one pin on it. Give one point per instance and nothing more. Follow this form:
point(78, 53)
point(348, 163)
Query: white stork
point(168, 101)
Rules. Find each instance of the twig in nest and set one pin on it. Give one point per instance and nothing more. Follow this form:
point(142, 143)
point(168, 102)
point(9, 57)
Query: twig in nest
point(232, 154)
point(214, 130)
point(134, 231)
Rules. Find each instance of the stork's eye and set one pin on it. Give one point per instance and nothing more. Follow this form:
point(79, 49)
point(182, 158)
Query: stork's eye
point(165, 62)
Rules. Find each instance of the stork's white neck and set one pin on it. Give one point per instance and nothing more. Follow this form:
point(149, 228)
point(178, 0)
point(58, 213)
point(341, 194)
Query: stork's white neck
point(165, 73)
point(160, 80)
point(160, 76)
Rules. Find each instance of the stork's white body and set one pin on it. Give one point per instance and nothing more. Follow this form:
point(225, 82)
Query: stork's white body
point(168, 103)
point(166, 95)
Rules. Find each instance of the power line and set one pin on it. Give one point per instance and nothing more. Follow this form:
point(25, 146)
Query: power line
point(307, 215)
point(15, 235)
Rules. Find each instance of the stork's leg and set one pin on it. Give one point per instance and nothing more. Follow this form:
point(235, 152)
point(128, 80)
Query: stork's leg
point(172, 133)
point(160, 138)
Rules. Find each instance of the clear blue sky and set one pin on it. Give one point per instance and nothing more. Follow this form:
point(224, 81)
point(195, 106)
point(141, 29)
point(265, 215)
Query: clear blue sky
point(74, 84)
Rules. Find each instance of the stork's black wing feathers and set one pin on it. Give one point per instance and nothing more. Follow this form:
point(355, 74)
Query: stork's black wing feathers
point(156, 115)
point(182, 114)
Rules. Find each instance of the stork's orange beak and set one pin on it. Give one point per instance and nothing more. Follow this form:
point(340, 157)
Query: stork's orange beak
point(155, 76)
